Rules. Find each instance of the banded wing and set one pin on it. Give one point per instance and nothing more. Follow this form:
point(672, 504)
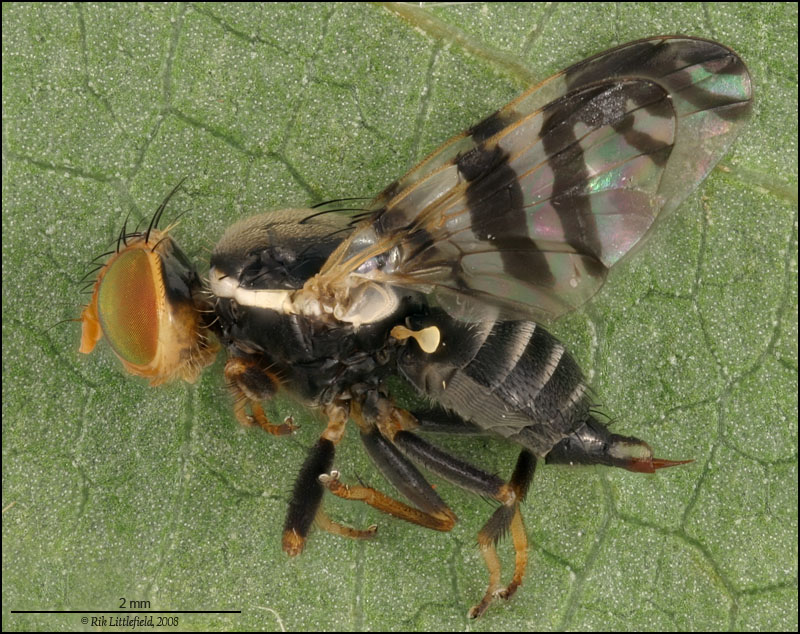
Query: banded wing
point(530, 208)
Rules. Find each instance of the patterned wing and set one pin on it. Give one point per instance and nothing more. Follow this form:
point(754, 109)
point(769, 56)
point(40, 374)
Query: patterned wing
point(530, 208)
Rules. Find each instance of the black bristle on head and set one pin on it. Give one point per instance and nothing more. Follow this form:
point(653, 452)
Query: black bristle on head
point(155, 246)
point(121, 236)
point(90, 273)
point(125, 230)
point(157, 216)
point(102, 255)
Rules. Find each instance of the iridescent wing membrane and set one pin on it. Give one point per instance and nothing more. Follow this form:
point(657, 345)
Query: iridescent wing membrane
point(529, 209)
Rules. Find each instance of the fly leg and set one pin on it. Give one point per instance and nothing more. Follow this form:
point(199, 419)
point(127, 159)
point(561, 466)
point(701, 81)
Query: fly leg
point(252, 382)
point(440, 421)
point(429, 509)
point(506, 518)
point(335, 528)
point(386, 436)
point(305, 503)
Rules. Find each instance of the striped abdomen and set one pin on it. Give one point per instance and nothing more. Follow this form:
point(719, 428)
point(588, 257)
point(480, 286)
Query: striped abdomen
point(512, 378)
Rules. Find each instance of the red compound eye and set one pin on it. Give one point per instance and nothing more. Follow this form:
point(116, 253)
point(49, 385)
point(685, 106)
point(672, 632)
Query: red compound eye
point(147, 303)
point(129, 305)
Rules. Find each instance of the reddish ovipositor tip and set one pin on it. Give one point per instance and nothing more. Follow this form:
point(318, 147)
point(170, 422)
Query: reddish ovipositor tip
point(653, 464)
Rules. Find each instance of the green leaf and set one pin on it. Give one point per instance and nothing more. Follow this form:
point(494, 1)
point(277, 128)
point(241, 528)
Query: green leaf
point(115, 490)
